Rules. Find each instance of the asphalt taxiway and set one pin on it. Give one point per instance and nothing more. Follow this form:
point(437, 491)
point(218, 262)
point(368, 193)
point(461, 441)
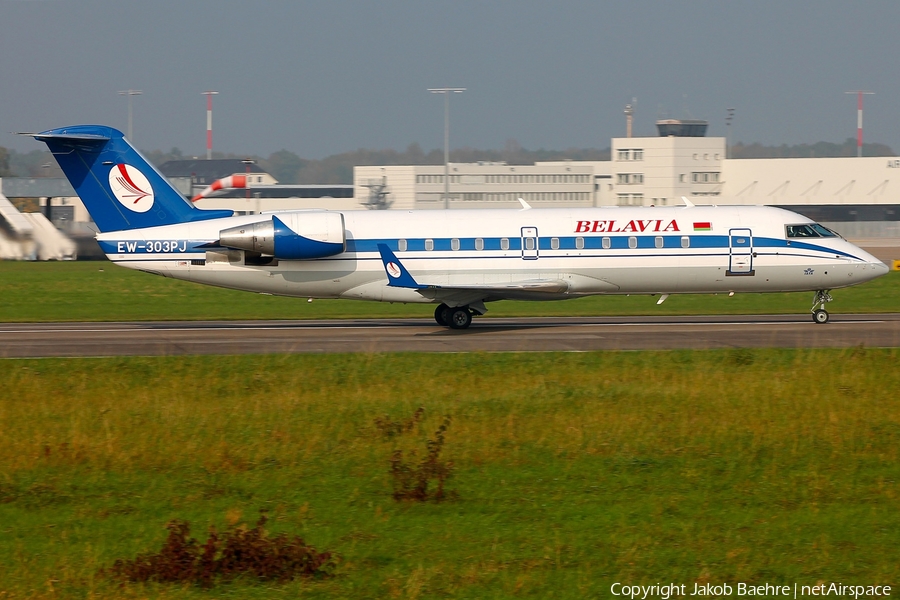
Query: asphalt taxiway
point(573, 334)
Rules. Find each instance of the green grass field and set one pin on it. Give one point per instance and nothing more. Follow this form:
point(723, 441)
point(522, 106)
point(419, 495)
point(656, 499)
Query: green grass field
point(573, 471)
point(101, 291)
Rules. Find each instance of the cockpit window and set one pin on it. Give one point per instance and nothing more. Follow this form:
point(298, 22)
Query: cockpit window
point(823, 231)
point(809, 230)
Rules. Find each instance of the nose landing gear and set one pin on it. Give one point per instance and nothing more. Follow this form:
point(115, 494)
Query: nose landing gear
point(819, 314)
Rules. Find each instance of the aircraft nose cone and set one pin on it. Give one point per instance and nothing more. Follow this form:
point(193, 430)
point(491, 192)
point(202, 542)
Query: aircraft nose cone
point(881, 268)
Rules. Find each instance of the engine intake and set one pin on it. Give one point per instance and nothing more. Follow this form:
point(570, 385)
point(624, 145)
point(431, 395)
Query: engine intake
point(290, 236)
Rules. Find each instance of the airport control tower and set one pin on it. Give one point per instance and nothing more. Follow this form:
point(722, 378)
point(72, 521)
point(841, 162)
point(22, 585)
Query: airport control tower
point(682, 128)
point(680, 161)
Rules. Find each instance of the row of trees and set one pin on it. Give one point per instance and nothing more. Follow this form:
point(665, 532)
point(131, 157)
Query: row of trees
point(287, 167)
point(5, 171)
point(817, 150)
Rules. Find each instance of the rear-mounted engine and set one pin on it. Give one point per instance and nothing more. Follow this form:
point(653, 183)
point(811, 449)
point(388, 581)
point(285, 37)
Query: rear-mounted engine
point(290, 236)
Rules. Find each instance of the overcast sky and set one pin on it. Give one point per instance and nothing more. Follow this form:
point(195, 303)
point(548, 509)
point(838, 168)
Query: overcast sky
point(328, 76)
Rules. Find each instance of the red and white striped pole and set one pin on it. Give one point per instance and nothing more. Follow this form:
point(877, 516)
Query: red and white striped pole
point(209, 95)
point(859, 120)
point(859, 124)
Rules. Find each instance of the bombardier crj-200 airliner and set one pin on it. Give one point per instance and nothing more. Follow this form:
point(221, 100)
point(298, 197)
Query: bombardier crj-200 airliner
point(458, 259)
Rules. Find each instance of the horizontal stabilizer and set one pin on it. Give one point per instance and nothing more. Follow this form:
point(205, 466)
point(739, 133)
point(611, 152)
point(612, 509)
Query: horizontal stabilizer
point(74, 137)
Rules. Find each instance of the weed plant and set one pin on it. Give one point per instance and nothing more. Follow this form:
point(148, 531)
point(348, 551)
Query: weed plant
point(238, 552)
point(574, 471)
point(425, 480)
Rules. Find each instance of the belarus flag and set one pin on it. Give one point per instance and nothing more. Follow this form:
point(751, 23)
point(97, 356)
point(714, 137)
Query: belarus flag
point(703, 226)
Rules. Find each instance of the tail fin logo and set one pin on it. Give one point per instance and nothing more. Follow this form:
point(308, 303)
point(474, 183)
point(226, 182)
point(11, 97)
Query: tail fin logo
point(131, 188)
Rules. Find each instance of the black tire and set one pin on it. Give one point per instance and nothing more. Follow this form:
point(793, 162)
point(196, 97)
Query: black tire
point(440, 316)
point(820, 316)
point(459, 317)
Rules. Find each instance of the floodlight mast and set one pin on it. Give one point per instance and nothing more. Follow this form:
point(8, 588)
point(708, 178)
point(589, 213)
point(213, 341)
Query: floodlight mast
point(729, 119)
point(446, 91)
point(130, 94)
point(859, 120)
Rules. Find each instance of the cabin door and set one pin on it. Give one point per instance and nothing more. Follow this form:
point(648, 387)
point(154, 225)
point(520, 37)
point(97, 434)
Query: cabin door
point(740, 261)
point(529, 243)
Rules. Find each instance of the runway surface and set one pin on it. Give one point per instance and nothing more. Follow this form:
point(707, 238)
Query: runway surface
point(19, 340)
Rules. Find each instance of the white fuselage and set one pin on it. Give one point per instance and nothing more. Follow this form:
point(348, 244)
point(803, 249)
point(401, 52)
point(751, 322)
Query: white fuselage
point(640, 250)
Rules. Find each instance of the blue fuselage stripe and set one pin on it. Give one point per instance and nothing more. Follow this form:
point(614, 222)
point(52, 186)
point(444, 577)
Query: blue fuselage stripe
point(603, 243)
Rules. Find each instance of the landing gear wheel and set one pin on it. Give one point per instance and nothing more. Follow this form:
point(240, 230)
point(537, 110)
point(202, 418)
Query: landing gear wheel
point(819, 314)
point(459, 317)
point(440, 315)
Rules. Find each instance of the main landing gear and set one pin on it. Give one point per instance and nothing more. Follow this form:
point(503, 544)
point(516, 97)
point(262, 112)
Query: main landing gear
point(819, 314)
point(457, 317)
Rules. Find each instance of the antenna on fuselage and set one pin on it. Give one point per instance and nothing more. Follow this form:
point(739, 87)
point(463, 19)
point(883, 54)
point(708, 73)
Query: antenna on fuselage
point(687, 203)
point(525, 205)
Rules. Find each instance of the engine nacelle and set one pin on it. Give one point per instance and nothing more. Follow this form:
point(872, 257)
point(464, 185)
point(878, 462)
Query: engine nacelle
point(290, 236)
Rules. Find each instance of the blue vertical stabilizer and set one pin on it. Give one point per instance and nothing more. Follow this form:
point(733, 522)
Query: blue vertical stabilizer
point(119, 187)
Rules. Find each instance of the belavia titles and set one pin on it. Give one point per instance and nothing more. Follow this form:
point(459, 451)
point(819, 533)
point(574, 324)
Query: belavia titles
point(633, 226)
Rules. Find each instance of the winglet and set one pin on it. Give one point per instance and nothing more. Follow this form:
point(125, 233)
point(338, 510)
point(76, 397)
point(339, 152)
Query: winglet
point(687, 203)
point(397, 274)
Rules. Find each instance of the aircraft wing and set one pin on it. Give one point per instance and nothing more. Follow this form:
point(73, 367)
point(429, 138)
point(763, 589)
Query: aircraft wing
point(398, 276)
point(517, 290)
point(547, 286)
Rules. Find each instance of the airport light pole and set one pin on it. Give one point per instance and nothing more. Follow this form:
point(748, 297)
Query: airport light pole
point(446, 91)
point(859, 110)
point(209, 94)
point(729, 118)
point(130, 94)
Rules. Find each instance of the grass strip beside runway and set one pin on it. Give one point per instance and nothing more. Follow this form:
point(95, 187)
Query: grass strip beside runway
point(570, 471)
point(101, 291)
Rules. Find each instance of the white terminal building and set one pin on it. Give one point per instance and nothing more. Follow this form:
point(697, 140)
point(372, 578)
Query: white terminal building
point(859, 196)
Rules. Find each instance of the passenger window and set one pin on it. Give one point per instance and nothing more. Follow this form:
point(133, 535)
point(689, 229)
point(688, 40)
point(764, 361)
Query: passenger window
point(401, 245)
point(579, 243)
point(607, 243)
point(658, 242)
point(454, 244)
point(429, 245)
point(504, 243)
point(479, 244)
point(632, 242)
point(685, 241)
point(554, 243)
